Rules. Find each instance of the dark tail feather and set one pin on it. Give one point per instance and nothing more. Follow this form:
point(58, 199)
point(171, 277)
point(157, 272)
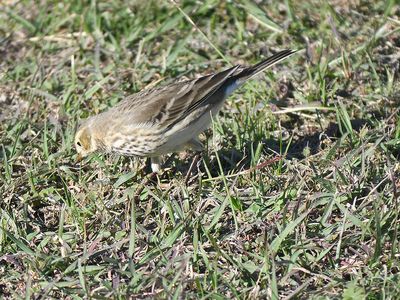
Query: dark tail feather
point(252, 71)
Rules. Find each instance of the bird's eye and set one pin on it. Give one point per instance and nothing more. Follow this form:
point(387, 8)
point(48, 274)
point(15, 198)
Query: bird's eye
point(79, 144)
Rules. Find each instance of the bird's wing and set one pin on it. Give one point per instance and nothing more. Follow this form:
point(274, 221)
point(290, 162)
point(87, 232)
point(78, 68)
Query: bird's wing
point(169, 104)
point(246, 73)
point(166, 106)
point(217, 87)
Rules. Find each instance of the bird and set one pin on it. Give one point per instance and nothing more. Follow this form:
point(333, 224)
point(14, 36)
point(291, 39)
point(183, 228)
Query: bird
point(166, 119)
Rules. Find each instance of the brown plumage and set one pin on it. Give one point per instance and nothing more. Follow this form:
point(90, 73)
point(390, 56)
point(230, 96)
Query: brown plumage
point(166, 119)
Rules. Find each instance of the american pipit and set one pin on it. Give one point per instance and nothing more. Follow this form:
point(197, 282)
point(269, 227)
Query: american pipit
point(165, 119)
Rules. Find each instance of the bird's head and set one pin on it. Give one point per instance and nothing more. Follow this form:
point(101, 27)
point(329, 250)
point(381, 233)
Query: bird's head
point(84, 142)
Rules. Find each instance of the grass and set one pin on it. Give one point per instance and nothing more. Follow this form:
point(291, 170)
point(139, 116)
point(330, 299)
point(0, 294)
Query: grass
point(296, 195)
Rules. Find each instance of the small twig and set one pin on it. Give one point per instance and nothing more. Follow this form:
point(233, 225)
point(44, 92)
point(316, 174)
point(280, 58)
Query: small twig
point(295, 293)
point(298, 108)
point(261, 165)
point(257, 167)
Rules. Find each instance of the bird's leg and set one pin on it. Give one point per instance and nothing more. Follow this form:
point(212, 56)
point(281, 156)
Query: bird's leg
point(155, 164)
point(198, 147)
point(195, 163)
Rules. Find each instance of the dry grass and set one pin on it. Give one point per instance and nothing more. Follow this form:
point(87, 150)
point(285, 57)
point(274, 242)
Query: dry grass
point(296, 195)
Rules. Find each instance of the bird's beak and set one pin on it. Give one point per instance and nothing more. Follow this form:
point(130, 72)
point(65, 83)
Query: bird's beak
point(79, 157)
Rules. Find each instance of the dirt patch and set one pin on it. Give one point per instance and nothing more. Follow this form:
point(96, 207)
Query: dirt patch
point(11, 104)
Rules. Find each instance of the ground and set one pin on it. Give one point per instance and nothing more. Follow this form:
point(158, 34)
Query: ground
point(296, 195)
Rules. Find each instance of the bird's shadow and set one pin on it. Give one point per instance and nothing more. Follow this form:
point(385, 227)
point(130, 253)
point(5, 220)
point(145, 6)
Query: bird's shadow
point(232, 159)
